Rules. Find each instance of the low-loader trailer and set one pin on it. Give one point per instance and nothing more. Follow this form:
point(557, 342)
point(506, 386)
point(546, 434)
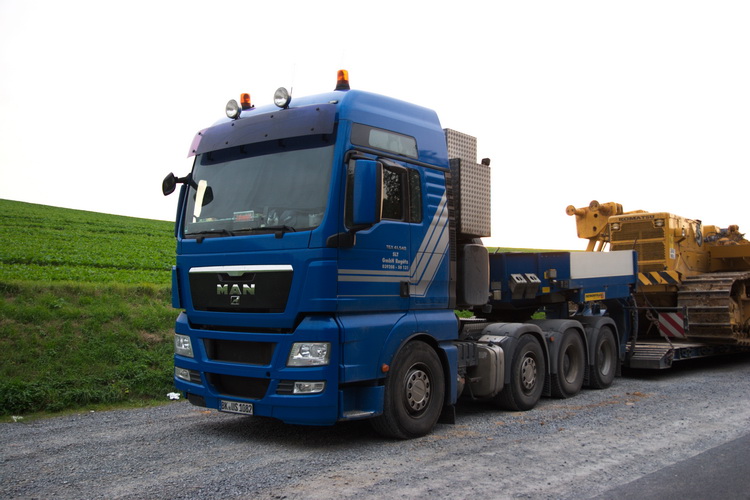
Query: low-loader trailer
point(324, 245)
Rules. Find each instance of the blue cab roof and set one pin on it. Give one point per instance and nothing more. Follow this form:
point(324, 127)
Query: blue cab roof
point(355, 106)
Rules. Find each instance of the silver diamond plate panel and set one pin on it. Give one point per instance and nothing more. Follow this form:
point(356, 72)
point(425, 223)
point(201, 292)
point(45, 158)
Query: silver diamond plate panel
point(475, 218)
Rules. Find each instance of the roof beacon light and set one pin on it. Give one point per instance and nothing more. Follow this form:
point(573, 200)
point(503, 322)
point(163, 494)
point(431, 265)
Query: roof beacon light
point(342, 80)
point(245, 102)
point(282, 98)
point(233, 109)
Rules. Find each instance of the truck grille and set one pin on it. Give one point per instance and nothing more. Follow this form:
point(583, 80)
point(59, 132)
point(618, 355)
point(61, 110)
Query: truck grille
point(241, 387)
point(246, 290)
point(285, 387)
point(238, 351)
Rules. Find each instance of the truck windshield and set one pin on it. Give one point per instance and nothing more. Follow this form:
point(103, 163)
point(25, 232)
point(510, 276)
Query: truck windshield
point(267, 187)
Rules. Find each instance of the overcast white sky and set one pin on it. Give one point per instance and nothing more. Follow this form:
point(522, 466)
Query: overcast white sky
point(645, 103)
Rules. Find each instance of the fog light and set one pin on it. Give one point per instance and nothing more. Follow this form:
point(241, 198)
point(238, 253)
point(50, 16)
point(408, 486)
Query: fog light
point(182, 345)
point(309, 354)
point(309, 387)
point(182, 373)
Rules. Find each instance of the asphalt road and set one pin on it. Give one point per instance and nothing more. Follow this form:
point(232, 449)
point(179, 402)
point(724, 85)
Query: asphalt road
point(721, 472)
point(675, 434)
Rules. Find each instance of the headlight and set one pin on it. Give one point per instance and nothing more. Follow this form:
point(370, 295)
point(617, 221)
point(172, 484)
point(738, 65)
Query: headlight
point(309, 354)
point(182, 345)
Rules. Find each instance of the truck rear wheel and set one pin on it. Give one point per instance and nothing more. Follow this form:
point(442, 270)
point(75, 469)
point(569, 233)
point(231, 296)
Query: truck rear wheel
point(571, 366)
point(527, 373)
point(605, 360)
point(414, 393)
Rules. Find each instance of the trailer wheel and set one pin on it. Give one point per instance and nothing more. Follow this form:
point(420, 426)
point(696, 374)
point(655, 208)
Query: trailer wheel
point(571, 365)
point(527, 373)
point(605, 360)
point(414, 391)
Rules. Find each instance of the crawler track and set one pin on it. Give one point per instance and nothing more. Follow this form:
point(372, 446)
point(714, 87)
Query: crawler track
point(718, 306)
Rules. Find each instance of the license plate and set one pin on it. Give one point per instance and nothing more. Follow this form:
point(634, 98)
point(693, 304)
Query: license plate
point(237, 407)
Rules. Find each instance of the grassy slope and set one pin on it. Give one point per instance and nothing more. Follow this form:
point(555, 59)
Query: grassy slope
point(85, 310)
point(42, 243)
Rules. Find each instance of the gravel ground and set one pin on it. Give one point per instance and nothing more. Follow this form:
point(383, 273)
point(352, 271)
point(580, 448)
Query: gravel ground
point(575, 448)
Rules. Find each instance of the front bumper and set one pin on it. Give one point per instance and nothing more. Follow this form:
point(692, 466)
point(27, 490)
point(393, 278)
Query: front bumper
point(250, 367)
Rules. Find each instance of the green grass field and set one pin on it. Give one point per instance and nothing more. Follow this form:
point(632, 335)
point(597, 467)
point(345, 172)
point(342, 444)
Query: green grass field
point(42, 243)
point(85, 309)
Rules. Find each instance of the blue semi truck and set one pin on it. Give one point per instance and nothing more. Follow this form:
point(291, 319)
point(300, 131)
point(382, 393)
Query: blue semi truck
point(324, 246)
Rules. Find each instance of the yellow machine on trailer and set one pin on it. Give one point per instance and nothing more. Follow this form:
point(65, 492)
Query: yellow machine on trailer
point(694, 279)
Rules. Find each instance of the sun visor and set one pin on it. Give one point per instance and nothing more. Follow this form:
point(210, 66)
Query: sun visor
point(279, 124)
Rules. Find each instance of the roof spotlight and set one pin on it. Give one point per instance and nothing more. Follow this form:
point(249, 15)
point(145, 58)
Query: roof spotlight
point(233, 109)
point(282, 98)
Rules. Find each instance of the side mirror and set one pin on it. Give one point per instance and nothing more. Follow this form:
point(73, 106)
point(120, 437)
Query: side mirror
point(169, 184)
point(367, 192)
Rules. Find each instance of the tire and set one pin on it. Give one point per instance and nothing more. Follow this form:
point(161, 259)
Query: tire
point(605, 360)
point(527, 373)
point(571, 366)
point(414, 393)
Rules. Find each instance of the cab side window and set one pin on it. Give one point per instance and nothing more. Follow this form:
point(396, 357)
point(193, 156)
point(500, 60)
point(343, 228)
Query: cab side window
point(402, 194)
point(393, 194)
point(415, 196)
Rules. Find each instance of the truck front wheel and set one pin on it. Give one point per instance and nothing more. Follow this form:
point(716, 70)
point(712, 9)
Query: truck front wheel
point(527, 373)
point(414, 392)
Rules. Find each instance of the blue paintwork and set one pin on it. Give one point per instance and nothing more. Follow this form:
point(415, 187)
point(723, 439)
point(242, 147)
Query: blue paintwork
point(350, 297)
point(502, 265)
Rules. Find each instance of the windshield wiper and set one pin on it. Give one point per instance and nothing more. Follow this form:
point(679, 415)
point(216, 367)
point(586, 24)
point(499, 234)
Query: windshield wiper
point(201, 235)
point(278, 230)
point(282, 227)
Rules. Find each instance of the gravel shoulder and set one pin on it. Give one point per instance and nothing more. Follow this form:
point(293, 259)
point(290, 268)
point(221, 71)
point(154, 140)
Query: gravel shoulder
point(574, 448)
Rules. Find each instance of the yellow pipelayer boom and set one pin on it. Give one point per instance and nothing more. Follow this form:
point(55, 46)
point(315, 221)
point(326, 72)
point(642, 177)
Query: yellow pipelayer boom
point(703, 271)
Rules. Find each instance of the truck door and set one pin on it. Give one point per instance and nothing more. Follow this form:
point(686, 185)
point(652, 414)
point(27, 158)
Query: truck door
point(374, 272)
point(430, 239)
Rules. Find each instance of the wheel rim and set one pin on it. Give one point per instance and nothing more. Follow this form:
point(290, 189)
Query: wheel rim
point(528, 373)
point(605, 358)
point(571, 362)
point(417, 390)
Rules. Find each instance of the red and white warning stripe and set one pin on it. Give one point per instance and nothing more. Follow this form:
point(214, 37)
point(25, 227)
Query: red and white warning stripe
point(672, 325)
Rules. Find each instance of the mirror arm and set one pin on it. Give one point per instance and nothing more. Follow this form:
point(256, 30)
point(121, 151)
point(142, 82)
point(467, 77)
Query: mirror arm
point(170, 182)
point(188, 179)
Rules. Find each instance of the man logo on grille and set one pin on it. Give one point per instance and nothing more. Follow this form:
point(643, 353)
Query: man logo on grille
point(235, 291)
